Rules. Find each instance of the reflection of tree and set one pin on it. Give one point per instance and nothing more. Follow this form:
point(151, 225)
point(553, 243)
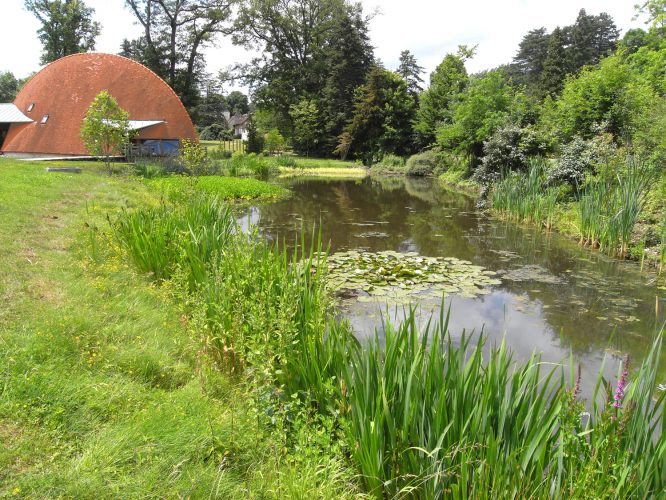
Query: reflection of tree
point(442, 223)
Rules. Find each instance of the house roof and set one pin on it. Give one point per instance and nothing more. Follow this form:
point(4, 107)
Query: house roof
point(64, 90)
point(9, 113)
point(238, 120)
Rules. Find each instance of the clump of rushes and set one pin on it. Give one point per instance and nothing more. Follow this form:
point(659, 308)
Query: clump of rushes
point(608, 212)
point(524, 197)
point(418, 413)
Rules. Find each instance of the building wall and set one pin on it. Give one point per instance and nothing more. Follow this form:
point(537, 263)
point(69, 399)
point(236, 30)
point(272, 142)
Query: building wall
point(65, 89)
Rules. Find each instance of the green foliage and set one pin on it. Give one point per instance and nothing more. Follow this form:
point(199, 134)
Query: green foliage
point(410, 71)
point(436, 103)
point(422, 164)
point(612, 94)
point(67, 27)
point(255, 142)
point(609, 211)
point(381, 120)
point(105, 129)
point(274, 142)
point(485, 105)
point(174, 36)
point(9, 86)
point(580, 159)
point(508, 149)
point(305, 117)
point(390, 164)
point(524, 197)
point(195, 158)
point(225, 188)
point(215, 132)
point(327, 58)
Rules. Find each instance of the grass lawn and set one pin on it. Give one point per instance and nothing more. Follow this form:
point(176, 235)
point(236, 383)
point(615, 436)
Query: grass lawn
point(228, 188)
point(103, 392)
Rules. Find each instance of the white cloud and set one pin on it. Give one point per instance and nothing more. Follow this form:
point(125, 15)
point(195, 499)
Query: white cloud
point(428, 28)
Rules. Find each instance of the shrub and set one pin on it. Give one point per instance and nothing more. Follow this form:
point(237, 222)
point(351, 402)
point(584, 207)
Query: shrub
point(422, 164)
point(195, 158)
point(214, 132)
point(274, 141)
point(390, 164)
point(508, 149)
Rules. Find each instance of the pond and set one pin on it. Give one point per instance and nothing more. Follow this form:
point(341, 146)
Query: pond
point(546, 294)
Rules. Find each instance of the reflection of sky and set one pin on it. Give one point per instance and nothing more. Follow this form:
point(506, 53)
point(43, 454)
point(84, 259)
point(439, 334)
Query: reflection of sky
point(498, 316)
point(594, 294)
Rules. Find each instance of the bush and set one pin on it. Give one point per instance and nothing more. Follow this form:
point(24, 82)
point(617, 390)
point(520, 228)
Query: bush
point(508, 150)
point(215, 132)
point(274, 141)
point(195, 158)
point(390, 164)
point(422, 164)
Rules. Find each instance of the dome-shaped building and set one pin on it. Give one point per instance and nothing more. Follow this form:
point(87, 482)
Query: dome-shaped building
point(48, 112)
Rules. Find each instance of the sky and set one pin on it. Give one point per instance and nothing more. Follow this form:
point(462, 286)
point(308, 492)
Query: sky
point(428, 28)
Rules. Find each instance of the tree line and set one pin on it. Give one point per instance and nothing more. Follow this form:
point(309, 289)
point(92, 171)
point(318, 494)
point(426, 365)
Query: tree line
point(319, 83)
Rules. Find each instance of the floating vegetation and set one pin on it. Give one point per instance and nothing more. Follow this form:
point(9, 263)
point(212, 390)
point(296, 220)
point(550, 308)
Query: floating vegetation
point(532, 272)
point(373, 234)
point(404, 277)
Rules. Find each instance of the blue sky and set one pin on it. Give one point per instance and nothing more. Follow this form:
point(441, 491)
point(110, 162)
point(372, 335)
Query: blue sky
point(428, 28)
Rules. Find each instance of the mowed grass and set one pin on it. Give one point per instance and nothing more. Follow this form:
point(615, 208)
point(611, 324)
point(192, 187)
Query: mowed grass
point(226, 188)
point(102, 392)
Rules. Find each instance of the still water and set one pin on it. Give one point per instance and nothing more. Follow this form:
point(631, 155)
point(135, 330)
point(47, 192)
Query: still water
point(555, 297)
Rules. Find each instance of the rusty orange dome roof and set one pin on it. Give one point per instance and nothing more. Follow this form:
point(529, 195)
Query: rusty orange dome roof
point(64, 90)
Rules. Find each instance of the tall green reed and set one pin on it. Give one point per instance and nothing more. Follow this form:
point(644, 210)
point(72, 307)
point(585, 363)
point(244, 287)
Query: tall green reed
point(609, 211)
point(523, 197)
point(423, 415)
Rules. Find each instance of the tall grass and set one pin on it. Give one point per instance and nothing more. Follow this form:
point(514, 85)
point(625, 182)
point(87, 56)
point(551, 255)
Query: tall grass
point(524, 197)
point(430, 419)
point(609, 211)
point(662, 245)
point(418, 414)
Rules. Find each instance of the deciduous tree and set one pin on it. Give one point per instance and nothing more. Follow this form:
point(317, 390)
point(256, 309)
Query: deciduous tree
point(67, 27)
point(105, 131)
point(175, 32)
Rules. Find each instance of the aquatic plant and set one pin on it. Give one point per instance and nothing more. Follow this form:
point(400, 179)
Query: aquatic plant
point(403, 277)
point(608, 212)
point(422, 414)
point(523, 197)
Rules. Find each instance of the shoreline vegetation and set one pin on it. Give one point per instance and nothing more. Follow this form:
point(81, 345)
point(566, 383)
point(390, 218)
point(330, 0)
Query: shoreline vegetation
point(147, 331)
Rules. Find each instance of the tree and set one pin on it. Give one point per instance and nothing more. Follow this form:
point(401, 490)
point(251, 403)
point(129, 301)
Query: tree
point(237, 103)
point(592, 38)
point(411, 72)
point(105, 129)
point(487, 103)
point(9, 87)
point(556, 64)
point(67, 27)
point(255, 143)
point(274, 141)
point(447, 82)
point(304, 115)
point(175, 32)
point(310, 50)
point(381, 120)
point(656, 12)
point(531, 56)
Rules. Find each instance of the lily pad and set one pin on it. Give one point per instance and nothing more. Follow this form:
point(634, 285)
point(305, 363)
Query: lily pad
point(405, 277)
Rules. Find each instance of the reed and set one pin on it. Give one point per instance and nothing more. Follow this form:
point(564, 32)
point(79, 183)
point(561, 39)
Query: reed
point(608, 212)
point(523, 197)
point(421, 414)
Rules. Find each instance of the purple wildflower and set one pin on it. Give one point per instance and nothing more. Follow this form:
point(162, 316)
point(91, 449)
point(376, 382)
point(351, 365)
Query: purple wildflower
point(621, 384)
point(576, 390)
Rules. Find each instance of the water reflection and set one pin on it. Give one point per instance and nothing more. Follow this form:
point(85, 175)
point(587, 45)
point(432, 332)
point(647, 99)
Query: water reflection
point(554, 296)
